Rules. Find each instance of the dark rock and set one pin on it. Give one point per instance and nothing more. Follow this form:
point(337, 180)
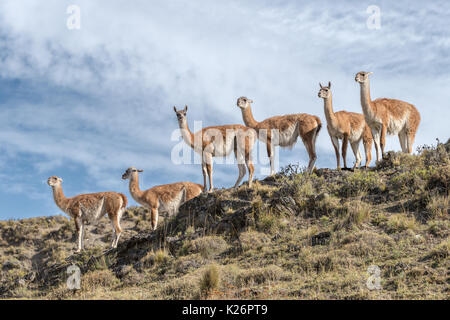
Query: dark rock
point(322, 238)
point(124, 270)
point(234, 204)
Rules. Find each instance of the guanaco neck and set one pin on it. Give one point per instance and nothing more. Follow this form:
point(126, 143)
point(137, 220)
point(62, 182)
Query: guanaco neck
point(366, 102)
point(135, 192)
point(329, 113)
point(60, 200)
point(187, 135)
point(247, 116)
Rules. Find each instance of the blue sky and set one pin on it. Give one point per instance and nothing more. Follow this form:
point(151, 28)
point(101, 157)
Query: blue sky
point(86, 104)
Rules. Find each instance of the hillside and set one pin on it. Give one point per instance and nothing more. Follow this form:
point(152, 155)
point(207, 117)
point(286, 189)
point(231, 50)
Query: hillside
point(292, 236)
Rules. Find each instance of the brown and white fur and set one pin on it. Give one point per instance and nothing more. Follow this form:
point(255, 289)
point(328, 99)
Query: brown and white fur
point(389, 116)
point(161, 199)
point(347, 126)
point(219, 141)
point(89, 208)
point(287, 129)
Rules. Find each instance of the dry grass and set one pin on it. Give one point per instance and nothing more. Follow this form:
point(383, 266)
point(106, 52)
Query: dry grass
point(210, 280)
point(400, 222)
point(294, 236)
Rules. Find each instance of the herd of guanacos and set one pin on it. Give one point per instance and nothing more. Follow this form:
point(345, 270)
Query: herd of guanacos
point(380, 117)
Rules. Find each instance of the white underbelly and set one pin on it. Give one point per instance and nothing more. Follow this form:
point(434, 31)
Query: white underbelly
point(172, 206)
point(355, 134)
point(396, 125)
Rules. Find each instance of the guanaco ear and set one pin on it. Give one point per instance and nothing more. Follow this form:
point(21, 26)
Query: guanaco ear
point(369, 73)
point(140, 170)
point(174, 109)
point(329, 84)
point(320, 85)
point(185, 108)
point(250, 100)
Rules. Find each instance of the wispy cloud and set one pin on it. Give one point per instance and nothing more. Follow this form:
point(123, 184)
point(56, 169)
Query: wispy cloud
point(91, 102)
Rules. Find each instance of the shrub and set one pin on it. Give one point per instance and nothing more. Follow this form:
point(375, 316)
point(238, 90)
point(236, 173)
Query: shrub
point(324, 205)
point(291, 170)
point(160, 257)
point(98, 279)
point(441, 251)
point(360, 182)
point(400, 160)
point(179, 288)
point(355, 213)
point(439, 228)
point(253, 240)
point(207, 246)
point(413, 181)
point(438, 206)
point(264, 190)
point(400, 222)
point(209, 280)
point(309, 261)
point(260, 275)
point(268, 222)
point(435, 155)
point(439, 180)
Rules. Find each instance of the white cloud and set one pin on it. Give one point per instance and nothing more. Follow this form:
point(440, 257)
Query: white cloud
point(105, 92)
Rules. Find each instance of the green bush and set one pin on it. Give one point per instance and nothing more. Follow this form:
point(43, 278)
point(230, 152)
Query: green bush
point(360, 183)
point(413, 181)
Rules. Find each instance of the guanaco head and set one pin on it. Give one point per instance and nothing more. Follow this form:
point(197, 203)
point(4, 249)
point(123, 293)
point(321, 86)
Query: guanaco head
point(181, 114)
point(244, 102)
point(131, 170)
point(54, 181)
point(362, 76)
point(325, 92)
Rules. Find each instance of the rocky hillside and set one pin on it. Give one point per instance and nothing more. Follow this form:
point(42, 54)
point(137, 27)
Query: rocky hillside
point(292, 236)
